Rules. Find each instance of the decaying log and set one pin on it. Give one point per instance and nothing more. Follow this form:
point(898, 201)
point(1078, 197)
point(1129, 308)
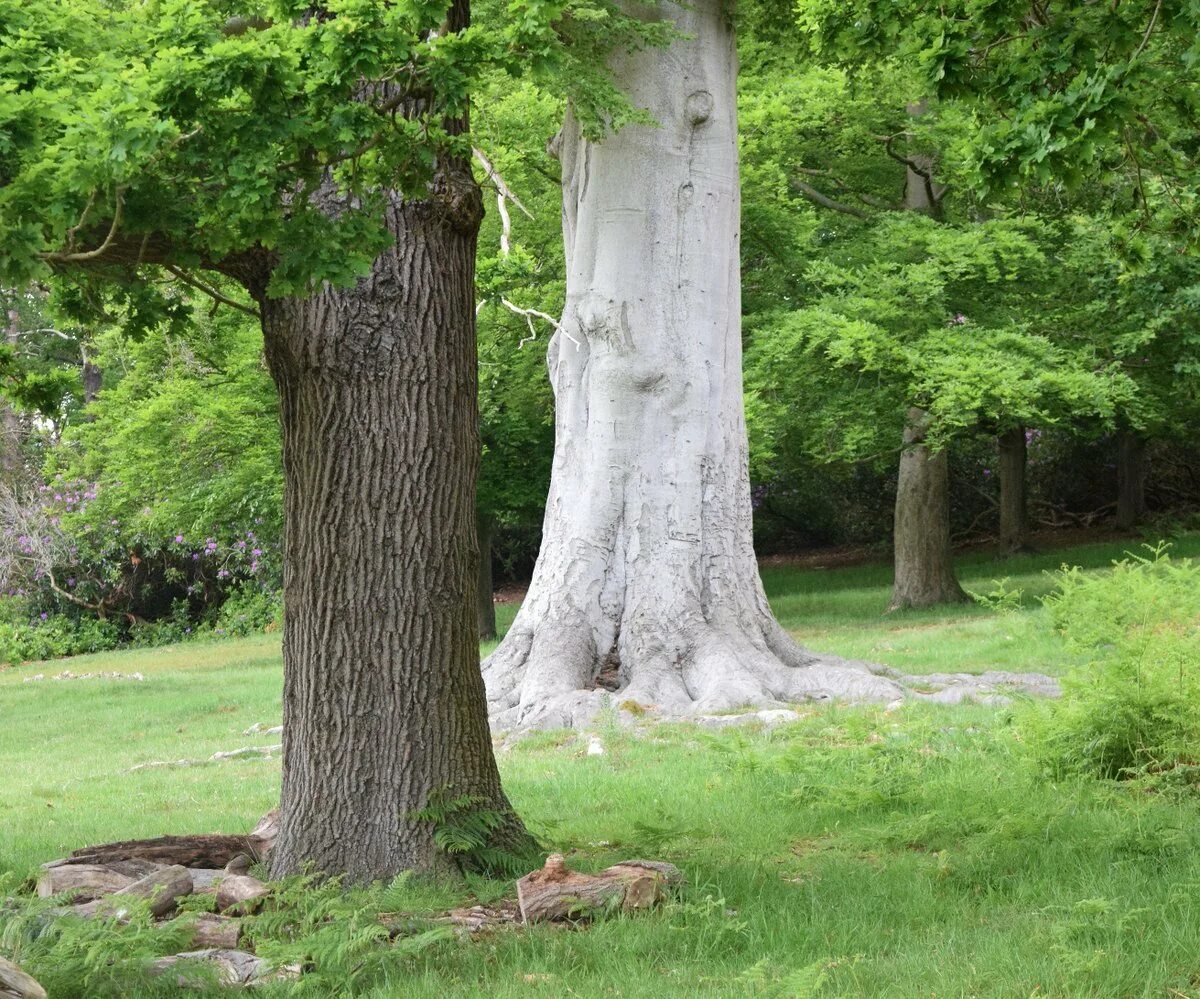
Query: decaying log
point(234, 967)
point(16, 984)
point(240, 894)
point(557, 893)
point(87, 881)
point(184, 851)
point(161, 889)
point(212, 931)
point(262, 837)
point(205, 879)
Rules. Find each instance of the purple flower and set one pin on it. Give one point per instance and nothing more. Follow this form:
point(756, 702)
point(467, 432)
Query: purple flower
point(256, 552)
point(178, 537)
point(987, 473)
point(44, 616)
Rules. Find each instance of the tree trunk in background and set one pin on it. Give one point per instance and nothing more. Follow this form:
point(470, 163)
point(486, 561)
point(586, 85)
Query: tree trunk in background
point(924, 563)
point(383, 702)
point(646, 584)
point(923, 558)
point(11, 459)
point(91, 376)
point(1010, 469)
point(485, 589)
point(1132, 469)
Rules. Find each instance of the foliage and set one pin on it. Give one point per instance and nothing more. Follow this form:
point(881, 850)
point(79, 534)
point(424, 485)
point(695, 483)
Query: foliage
point(1134, 709)
point(465, 831)
point(51, 636)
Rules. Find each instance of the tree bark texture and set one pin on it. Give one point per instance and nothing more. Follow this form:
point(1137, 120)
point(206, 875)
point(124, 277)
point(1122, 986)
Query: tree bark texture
point(1132, 469)
point(486, 588)
point(1010, 469)
point(383, 703)
point(646, 588)
point(923, 559)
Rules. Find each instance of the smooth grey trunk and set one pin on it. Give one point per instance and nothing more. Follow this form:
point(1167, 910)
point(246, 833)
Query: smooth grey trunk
point(924, 561)
point(1010, 470)
point(646, 589)
point(383, 703)
point(1132, 470)
point(485, 589)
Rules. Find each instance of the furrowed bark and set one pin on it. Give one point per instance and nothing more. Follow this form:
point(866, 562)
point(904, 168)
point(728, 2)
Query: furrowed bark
point(1010, 469)
point(646, 588)
point(383, 701)
point(923, 559)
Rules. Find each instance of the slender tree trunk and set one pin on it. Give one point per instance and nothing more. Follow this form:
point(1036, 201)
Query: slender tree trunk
point(91, 376)
point(11, 459)
point(1132, 469)
point(924, 563)
point(923, 558)
point(1010, 469)
point(646, 587)
point(485, 589)
point(383, 702)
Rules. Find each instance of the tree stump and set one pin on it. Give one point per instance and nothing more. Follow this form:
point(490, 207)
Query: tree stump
point(15, 984)
point(556, 893)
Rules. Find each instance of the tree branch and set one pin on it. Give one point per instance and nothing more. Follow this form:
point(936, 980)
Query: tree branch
point(211, 292)
point(817, 198)
point(67, 257)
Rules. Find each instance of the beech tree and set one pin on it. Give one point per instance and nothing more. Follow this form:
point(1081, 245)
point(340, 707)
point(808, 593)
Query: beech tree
point(315, 162)
point(646, 589)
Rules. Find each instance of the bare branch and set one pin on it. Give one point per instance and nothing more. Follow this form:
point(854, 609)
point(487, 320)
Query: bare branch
point(501, 186)
point(211, 292)
point(68, 257)
point(817, 198)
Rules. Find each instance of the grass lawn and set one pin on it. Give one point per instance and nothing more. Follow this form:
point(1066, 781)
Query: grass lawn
point(855, 853)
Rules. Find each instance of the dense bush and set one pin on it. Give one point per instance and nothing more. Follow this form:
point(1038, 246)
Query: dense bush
point(50, 636)
point(1134, 709)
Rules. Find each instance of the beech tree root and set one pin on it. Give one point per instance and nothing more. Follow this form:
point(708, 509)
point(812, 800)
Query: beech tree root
point(721, 680)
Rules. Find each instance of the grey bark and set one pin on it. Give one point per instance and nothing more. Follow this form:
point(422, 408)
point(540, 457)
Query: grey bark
point(1132, 470)
point(1010, 470)
point(646, 588)
point(485, 590)
point(923, 558)
point(91, 375)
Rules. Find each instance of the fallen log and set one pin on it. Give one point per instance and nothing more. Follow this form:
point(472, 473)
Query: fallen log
point(211, 931)
point(161, 889)
point(233, 967)
point(212, 852)
point(16, 984)
point(262, 837)
point(87, 881)
point(240, 894)
point(556, 893)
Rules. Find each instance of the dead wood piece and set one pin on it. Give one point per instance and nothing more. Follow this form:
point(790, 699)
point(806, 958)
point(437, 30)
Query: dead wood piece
point(87, 881)
point(161, 889)
point(205, 880)
point(233, 967)
point(185, 851)
point(478, 918)
point(240, 894)
point(210, 931)
point(262, 837)
point(16, 984)
point(557, 893)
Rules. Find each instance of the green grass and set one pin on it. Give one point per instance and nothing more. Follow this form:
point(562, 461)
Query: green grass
point(915, 853)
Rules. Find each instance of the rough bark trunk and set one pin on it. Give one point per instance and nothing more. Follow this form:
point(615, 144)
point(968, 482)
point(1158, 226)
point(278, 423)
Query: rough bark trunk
point(486, 588)
point(646, 583)
point(1132, 469)
point(924, 563)
point(1010, 469)
point(91, 376)
point(383, 700)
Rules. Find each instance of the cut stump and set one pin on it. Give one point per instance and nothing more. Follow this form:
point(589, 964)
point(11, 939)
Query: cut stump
point(557, 893)
point(162, 890)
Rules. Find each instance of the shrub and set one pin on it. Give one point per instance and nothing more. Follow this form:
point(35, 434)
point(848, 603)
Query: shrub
point(51, 636)
point(1134, 709)
point(250, 610)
